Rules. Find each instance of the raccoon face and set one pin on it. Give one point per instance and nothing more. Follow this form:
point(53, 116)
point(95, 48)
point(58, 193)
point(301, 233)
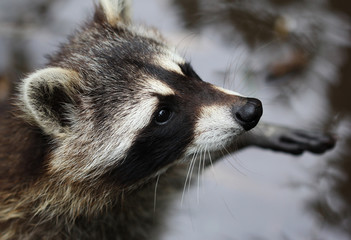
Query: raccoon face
point(122, 105)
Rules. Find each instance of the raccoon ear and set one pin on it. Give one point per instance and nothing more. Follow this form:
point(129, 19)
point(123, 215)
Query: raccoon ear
point(116, 10)
point(47, 96)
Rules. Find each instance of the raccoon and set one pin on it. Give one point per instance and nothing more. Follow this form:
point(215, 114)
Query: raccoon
point(115, 114)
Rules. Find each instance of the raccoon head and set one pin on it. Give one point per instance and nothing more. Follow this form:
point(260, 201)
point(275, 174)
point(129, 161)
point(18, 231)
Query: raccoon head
point(119, 103)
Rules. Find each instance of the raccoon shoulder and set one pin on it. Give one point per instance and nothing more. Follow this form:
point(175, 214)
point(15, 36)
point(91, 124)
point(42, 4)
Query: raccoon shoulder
point(23, 149)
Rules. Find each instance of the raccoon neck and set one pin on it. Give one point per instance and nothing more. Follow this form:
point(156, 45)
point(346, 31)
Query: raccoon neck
point(85, 211)
point(134, 215)
point(23, 151)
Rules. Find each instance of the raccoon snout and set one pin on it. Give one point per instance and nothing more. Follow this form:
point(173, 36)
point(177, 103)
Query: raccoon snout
point(249, 114)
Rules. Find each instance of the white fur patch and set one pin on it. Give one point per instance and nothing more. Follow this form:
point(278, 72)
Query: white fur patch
point(228, 91)
point(215, 128)
point(170, 61)
point(155, 86)
point(123, 134)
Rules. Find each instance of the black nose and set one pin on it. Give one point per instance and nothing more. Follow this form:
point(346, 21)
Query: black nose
point(248, 114)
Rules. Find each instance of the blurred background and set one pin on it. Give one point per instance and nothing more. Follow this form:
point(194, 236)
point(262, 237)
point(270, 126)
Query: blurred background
point(292, 54)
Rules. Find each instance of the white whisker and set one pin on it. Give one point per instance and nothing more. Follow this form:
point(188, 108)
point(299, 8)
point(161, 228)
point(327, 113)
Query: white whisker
point(204, 162)
point(155, 192)
point(212, 167)
point(192, 169)
point(187, 176)
point(198, 177)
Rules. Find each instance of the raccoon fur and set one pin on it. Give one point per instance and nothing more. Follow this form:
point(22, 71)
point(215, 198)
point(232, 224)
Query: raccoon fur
point(86, 139)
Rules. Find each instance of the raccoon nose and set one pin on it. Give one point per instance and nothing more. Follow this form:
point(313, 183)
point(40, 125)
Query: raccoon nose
point(249, 114)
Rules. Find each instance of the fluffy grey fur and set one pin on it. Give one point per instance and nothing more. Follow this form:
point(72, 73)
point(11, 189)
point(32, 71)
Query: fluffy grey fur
point(116, 116)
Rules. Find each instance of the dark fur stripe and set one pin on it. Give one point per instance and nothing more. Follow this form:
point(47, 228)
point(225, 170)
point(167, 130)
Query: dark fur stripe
point(157, 145)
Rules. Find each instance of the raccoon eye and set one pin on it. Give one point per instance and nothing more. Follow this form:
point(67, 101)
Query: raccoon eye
point(163, 116)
